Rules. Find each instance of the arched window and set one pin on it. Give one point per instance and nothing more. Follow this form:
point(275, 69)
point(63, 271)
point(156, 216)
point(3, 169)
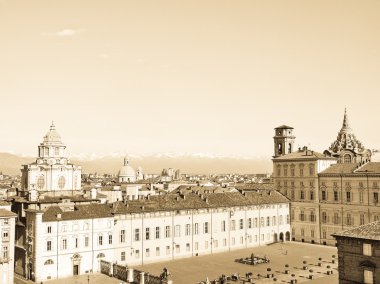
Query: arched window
point(347, 158)
point(61, 182)
point(279, 148)
point(100, 255)
point(49, 261)
point(40, 182)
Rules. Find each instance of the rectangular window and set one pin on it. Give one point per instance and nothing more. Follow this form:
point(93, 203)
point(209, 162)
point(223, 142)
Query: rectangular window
point(361, 196)
point(49, 229)
point(48, 245)
point(147, 252)
point(122, 256)
point(241, 224)
point(249, 223)
point(137, 235)
point(196, 229)
point(177, 232)
point(367, 249)
point(324, 195)
point(147, 233)
point(312, 195)
point(312, 233)
point(368, 276)
point(157, 251)
point(137, 253)
point(255, 223)
point(301, 172)
point(335, 196)
point(122, 236)
point(375, 197)
point(167, 231)
point(223, 226)
point(196, 246)
point(348, 196)
point(336, 218)
point(100, 240)
point(361, 219)
point(233, 225)
point(157, 232)
point(76, 242)
point(64, 244)
point(86, 241)
point(187, 247)
point(274, 221)
point(268, 221)
point(167, 250)
point(177, 249)
point(205, 228)
point(110, 239)
point(5, 252)
point(187, 230)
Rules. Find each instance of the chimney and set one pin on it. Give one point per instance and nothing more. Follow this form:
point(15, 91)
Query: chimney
point(177, 198)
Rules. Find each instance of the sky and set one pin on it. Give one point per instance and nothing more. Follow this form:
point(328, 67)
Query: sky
point(187, 76)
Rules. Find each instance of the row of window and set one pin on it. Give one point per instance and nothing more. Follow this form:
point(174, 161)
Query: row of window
point(347, 184)
point(336, 218)
point(349, 196)
point(302, 170)
point(292, 184)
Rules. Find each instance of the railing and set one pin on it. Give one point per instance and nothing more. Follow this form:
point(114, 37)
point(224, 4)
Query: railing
point(121, 272)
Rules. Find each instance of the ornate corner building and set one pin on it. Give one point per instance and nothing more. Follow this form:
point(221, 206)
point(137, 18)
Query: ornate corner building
point(329, 192)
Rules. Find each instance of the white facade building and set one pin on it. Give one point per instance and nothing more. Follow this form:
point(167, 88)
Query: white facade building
point(7, 243)
point(158, 228)
point(52, 169)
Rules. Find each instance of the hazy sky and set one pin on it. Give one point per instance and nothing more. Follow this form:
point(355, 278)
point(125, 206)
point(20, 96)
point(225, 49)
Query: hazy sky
point(187, 76)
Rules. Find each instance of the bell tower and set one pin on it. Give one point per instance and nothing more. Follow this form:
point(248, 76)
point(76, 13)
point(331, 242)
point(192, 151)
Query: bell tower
point(283, 140)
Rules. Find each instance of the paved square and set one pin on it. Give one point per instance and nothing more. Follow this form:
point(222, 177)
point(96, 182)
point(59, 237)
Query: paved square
point(196, 269)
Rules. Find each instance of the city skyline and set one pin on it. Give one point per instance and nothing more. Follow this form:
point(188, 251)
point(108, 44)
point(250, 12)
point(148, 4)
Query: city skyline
point(213, 78)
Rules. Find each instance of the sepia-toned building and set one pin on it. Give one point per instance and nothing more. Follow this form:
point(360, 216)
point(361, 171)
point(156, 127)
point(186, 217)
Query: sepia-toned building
point(52, 170)
point(66, 241)
point(296, 177)
point(329, 192)
point(348, 196)
point(359, 254)
point(7, 243)
point(346, 148)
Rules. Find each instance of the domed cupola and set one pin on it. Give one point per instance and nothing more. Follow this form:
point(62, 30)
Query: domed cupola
point(52, 137)
point(127, 173)
point(346, 147)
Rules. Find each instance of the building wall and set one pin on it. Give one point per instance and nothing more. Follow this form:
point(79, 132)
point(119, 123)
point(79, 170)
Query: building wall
point(351, 263)
point(343, 212)
point(298, 180)
point(7, 241)
point(244, 227)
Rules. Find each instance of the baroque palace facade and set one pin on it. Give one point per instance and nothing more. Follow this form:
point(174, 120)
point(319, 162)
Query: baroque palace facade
point(329, 192)
point(63, 231)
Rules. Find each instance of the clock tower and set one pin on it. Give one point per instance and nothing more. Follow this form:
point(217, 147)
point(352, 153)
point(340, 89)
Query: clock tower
point(283, 140)
point(52, 170)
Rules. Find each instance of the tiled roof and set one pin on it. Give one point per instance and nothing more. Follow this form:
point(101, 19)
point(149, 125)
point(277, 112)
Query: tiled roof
point(284, 126)
point(167, 202)
point(369, 231)
point(353, 168)
point(6, 213)
point(304, 155)
point(255, 186)
point(340, 168)
point(88, 211)
point(371, 167)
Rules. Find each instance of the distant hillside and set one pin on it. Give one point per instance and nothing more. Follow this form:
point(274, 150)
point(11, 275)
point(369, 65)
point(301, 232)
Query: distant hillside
point(11, 164)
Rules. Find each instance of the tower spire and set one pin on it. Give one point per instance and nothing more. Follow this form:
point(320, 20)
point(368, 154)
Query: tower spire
point(345, 119)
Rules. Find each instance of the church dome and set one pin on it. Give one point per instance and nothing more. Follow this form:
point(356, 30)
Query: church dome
point(52, 137)
point(127, 171)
